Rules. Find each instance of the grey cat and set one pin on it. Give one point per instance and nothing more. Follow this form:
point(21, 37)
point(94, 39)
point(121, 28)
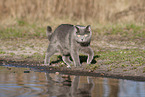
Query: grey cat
point(69, 40)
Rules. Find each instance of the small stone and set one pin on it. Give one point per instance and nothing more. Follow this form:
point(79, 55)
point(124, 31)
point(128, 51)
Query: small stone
point(101, 74)
point(90, 70)
point(54, 65)
point(57, 73)
point(26, 71)
point(65, 76)
point(68, 66)
point(8, 68)
point(44, 64)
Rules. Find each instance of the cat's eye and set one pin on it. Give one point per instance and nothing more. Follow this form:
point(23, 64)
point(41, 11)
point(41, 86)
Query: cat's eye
point(85, 35)
point(78, 35)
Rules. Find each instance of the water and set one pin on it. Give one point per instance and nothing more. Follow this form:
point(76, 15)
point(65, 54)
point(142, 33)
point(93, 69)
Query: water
point(23, 82)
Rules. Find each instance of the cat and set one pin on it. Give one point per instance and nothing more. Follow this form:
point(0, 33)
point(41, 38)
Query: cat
point(69, 40)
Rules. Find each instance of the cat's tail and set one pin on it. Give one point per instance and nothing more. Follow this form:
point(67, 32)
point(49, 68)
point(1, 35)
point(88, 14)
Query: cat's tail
point(49, 32)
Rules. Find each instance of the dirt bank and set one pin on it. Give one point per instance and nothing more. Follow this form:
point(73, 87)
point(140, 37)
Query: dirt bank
point(80, 71)
point(30, 54)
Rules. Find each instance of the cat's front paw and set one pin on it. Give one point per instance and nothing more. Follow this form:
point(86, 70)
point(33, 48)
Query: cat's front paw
point(79, 65)
point(88, 62)
point(68, 66)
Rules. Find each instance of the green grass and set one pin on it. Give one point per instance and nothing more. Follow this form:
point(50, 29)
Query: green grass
point(2, 52)
point(34, 57)
point(21, 22)
point(123, 32)
point(133, 56)
point(126, 59)
point(12, 54)
point(92, 67)
point(22, 30)
point(144, 70)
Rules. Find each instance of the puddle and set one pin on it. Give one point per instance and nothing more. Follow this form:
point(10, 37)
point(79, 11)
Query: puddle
point(26, 82)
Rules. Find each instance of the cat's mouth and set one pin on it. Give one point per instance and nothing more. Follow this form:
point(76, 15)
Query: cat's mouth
point(81, 41)
point(84, 43)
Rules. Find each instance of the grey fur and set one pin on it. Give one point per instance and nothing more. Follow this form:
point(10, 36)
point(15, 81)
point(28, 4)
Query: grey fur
point(69, 40)
point(49, 32)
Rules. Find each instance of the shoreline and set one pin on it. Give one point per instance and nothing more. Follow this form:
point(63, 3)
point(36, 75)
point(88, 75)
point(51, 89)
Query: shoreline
point(73, 71)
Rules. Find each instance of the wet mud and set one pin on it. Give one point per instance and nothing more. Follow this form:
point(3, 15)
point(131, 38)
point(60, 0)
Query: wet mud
point(79, 71)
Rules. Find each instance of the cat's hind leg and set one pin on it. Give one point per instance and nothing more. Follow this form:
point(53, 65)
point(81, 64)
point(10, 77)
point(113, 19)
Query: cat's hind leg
point(89, 52)
point(50, 51)
point(67, 60)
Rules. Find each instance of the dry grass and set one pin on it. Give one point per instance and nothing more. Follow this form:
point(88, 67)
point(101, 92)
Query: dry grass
point(91, 11)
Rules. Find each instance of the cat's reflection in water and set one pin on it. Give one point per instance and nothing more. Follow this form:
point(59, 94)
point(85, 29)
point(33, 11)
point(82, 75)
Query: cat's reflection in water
point(62, 86)
point(58, 85)
point(85, 91)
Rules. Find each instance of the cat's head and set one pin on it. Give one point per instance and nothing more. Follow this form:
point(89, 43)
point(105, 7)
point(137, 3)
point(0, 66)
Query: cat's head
point(83, 33)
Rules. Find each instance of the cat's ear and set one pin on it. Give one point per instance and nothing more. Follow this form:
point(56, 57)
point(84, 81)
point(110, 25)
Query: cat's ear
point(76, 29)
point(88, 28)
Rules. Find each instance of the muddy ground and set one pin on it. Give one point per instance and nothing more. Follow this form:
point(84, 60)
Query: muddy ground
point(30, 53)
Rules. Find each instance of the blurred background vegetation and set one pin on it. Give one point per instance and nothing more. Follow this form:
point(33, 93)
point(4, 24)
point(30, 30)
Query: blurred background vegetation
point(118, 29)
point(76, 11)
